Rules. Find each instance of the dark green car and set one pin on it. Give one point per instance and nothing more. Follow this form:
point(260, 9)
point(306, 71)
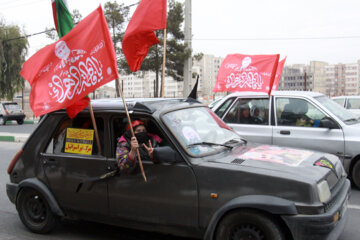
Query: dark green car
point(209, 183)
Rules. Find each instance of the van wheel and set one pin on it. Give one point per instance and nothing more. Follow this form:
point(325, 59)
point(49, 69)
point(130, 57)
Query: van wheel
point(248, 224)
point(34, 211)
point(355, 174)
point(2, 121)
point(20, 121)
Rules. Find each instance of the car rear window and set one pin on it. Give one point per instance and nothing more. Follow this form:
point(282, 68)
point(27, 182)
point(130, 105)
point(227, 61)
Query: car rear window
point(11, 106)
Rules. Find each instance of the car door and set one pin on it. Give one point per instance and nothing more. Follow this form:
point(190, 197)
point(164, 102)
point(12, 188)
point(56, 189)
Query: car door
point(249, 117)
point(66, 169)
point(298, 125)
point(169, 196)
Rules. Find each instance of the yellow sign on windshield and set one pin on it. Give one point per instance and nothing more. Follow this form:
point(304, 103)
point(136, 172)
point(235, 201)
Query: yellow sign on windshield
point(79, 141)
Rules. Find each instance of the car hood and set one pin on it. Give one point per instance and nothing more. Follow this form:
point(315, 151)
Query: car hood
point(290, 162)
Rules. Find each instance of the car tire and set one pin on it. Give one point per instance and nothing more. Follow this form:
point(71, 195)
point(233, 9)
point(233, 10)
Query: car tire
point(2, 121)
point(248, 224)
point(34, 211)
point(20, 121)
point(355, 174)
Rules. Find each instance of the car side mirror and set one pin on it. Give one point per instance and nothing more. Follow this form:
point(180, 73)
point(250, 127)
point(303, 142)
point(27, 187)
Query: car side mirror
point(328, 123)
point(166, 155)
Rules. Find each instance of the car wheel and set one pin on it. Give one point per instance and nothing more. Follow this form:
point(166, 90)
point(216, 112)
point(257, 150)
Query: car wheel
point(20, 121)
point(34, 211)
point(247, 224)
point(2, 121)
point(355, 174)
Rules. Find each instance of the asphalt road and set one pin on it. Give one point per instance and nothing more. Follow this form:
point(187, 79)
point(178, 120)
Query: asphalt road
point(15, 128)
point(12, 228)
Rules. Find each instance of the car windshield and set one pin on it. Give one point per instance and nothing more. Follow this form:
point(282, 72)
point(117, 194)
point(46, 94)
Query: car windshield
point(353, 103)
point(201, 131)
point(344, 115)
point(11, 106)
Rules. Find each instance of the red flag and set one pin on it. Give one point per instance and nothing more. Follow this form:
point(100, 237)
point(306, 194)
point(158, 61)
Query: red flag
point(66, 71)
point(139, 36)
point(278, 74)
point(246, 73)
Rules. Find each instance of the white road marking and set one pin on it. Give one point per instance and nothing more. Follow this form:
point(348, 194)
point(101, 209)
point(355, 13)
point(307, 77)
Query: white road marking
point(354, 206)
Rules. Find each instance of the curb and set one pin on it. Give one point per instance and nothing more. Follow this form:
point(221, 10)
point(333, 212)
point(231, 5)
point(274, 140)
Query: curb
point(25, 122)
point(17, 138)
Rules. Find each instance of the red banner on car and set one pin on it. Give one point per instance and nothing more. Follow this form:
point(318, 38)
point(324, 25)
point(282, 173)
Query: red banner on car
point(139, 36)
point(254, 73)
point(66, 71)
point(278, 74)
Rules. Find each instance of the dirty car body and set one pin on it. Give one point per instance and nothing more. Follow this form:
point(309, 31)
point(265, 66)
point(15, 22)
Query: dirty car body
point(209, 183)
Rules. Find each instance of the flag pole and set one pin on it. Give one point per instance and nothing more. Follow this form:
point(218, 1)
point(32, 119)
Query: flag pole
point(95, 128)
point(163, 66)
point(131, 129)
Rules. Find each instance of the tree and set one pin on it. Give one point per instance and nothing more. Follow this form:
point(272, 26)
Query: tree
point(176, 49)
point(115, 15)
point(51, 32)
point(13, 49)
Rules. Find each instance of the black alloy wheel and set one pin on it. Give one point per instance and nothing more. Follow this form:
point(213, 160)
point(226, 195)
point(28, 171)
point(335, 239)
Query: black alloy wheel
point(34, 211)
point(246, 232)
point(248, 225)
point(355, 174)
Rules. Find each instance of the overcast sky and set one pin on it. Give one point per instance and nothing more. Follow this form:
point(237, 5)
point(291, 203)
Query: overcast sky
point(323, 30)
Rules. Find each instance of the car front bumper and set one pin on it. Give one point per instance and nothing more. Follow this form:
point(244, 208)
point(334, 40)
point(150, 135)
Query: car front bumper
point(14, 117)
point(11, 191)
point(322, 226)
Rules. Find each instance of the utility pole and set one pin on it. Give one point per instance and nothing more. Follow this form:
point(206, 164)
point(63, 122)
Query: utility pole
point(305, 80)
point(188, 39)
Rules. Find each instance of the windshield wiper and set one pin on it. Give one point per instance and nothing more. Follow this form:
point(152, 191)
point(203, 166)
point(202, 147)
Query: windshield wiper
point(209, 143)
point(351, 119)
point(235, 141)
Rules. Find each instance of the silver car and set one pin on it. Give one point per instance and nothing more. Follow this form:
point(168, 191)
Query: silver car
point(298, 119)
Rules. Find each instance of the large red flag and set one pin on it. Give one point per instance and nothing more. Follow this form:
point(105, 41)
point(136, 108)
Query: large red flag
point(66, 71)
point(139, 36)
point(246, 73)
point(278, 74)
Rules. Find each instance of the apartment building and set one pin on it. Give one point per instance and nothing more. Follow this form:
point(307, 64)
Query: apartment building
point(142, 84)
point(296, 77)
point(329, 79)
point(207, 68)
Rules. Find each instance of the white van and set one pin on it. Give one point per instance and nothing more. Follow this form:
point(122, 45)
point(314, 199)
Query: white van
point(298, 119)
point(11, 111)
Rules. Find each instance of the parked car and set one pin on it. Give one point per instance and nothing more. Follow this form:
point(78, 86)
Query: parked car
point(209, 183)
point(352, 103)
point(11, 111)
point(307, 120)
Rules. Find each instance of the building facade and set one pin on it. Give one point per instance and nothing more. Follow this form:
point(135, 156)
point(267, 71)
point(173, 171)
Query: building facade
point(329, 79)
point(207, 68)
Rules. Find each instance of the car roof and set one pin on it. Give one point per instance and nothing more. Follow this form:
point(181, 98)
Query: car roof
point(276, 93)
point(148, 105)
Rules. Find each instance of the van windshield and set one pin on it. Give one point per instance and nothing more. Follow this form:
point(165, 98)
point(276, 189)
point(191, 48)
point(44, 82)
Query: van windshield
point(344, 115)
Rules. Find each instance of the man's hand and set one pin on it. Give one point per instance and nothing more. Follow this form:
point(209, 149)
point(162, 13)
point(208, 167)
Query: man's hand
point(149, 149)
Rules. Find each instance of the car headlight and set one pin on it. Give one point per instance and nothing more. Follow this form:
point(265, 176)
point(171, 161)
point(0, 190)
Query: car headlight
point(323, 191)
